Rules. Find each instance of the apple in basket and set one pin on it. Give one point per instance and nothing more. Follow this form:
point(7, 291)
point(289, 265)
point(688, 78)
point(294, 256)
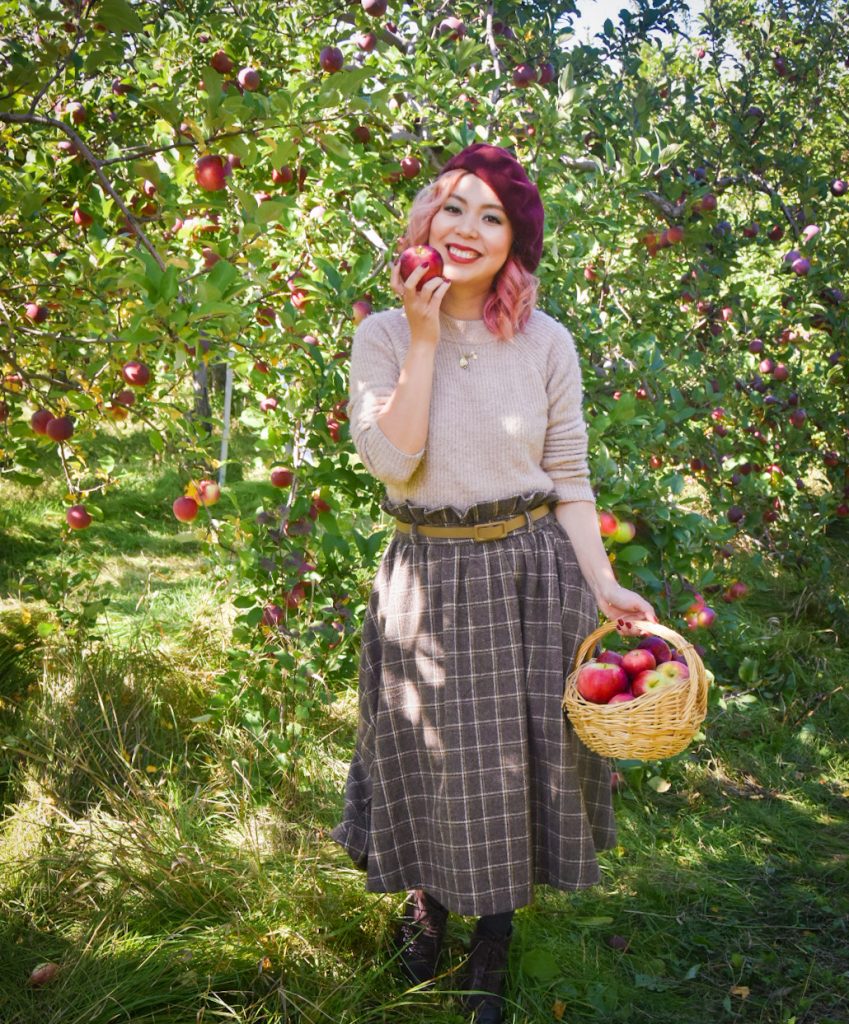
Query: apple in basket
point(598, 681)
point(658, 647)
point(611, 657)
point(622, 698)
point(674, 671)
point(637, 661)
point(649, 682)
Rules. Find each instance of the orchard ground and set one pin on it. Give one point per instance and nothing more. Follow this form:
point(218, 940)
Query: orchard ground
point(149, 852)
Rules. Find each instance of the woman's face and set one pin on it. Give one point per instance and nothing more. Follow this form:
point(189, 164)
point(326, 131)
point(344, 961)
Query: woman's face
point(471, 217)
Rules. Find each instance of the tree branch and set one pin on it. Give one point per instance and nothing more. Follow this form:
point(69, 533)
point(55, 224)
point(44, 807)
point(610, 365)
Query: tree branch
point(82, 148)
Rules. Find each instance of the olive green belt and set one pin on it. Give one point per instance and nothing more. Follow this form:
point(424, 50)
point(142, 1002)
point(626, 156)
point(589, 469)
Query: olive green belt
point(481, 531)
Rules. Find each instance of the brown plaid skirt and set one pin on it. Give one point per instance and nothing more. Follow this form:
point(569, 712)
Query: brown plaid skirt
point(467, 779)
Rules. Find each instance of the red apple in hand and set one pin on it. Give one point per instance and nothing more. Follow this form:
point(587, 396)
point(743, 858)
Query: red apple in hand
point(598, 681)
point(414, 256)
point(637, 661)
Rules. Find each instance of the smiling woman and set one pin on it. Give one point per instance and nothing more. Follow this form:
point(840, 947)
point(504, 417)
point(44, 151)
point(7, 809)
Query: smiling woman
point(467, 787)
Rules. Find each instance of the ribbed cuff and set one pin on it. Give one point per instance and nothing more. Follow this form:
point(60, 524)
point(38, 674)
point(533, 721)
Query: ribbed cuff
point(574, 490)
point(388, 462)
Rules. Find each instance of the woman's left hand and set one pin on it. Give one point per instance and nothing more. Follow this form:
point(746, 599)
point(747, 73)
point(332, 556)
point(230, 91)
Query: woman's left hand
point(624, 606)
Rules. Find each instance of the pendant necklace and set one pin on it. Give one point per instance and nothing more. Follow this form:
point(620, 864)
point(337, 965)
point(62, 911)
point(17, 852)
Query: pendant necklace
point(464, 359)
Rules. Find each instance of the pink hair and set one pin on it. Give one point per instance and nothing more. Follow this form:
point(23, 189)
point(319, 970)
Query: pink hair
point(513, 296)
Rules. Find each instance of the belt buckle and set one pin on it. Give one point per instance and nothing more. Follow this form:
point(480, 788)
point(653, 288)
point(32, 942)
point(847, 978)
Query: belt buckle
point(500, 530)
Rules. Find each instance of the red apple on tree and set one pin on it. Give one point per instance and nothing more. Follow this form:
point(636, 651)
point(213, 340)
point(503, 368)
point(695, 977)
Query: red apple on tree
point(248, 78)
point(331, 59)
point(597, 681)
point(135, 373)
point(210, 173)
point(410, 166)
point(36, 312)
point(281, 477)
point(208, 492)
point(39, 420)
point(360, 310)
point(221, 63)
point(607, 524)
point(60, 429)
point(524, 75)
point(185, 509)
point(77, 517)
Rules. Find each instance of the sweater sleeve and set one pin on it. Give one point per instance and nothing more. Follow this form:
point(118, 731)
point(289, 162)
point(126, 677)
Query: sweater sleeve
point(375, 369)
point(565, 450)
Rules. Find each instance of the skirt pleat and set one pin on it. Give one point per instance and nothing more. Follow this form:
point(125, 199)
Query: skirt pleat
point(467, 779)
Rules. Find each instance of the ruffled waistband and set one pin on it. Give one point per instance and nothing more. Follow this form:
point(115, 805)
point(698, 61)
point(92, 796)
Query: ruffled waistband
point(483, 512)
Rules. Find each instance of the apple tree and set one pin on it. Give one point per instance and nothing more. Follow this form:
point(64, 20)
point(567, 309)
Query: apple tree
point(190, 192)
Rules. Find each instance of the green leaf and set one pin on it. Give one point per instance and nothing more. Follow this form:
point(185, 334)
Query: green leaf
point(592, 922)
point(271, 210)
point(27, 479)
point(46, 628)
point(632, 553)
point(169, 285)
point(539, 964)
point(155, 441)
point(119, 17)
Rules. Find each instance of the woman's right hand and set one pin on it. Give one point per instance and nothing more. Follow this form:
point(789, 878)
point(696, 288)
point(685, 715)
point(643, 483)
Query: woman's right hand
point(422, 307)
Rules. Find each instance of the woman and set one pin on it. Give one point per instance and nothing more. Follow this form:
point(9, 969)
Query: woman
point(468, 786)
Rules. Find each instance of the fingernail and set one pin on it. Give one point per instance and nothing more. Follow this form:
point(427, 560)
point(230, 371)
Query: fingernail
point(425, 265)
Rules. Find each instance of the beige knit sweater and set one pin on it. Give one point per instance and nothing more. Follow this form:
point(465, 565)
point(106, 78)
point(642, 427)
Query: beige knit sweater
point(508, 423)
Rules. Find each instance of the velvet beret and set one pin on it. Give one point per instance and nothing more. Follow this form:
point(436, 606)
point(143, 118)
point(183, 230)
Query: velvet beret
point(518, 194)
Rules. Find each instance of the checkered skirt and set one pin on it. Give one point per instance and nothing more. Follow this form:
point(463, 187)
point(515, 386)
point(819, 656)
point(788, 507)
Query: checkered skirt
point(467, 779)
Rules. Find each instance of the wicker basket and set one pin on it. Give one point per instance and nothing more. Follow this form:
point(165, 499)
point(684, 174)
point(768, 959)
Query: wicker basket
point(655, 725)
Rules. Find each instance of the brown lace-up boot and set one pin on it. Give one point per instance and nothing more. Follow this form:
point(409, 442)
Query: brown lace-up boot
point(485, 971)
point(419, 937)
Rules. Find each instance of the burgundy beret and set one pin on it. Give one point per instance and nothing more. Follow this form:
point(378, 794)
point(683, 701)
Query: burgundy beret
point(518, 194)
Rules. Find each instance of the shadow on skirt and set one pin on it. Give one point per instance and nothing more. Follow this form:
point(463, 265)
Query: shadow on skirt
point(467, 779)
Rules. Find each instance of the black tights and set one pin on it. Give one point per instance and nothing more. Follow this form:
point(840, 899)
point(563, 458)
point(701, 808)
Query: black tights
point(493, 926)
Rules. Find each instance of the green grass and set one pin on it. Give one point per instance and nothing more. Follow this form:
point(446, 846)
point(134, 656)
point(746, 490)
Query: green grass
point(144, 852)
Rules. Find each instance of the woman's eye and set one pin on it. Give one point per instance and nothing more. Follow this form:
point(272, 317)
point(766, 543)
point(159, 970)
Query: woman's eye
point(490, 215)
